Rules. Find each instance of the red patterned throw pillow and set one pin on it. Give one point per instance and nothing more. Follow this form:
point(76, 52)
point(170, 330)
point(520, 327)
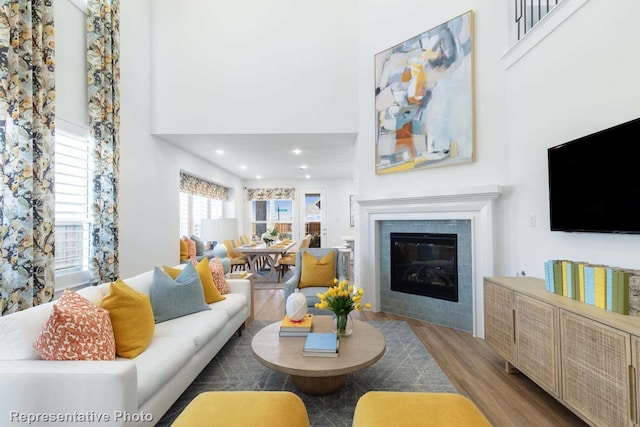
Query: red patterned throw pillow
point(217, 271)
point(77, 329)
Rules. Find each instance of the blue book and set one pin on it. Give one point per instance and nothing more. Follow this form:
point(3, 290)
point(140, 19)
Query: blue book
point(548, 275)
point(589, 285)
point(609, 284)
point(321, 342)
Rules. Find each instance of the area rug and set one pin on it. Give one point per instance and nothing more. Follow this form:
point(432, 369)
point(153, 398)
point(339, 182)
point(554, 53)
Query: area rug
point(257, 284)
point(406, 366)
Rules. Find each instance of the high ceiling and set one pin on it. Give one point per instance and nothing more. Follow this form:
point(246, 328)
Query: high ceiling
point(272, 157)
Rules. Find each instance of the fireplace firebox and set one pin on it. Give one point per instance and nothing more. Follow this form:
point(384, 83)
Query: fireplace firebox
point(425, 264)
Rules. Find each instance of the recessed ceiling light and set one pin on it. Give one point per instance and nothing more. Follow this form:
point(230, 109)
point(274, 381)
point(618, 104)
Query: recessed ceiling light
point(220, 151)
point(297, 151)
point(243, 167)
point(258, 176)
point(303, 167)
point(307, 176)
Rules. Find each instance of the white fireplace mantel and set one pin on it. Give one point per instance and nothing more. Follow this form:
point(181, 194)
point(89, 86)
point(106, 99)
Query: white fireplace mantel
point(467, 203)
point(480, 193)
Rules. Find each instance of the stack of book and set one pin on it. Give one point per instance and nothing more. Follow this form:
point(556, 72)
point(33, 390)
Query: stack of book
point(611, 288)
point(289, 328)
point(321, 344)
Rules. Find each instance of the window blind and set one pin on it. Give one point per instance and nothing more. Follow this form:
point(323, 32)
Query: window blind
point(72, 203)
point(193, 209)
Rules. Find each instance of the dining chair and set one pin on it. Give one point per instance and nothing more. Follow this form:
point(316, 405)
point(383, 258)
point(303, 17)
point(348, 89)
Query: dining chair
point(289, 260)
point(238, 261)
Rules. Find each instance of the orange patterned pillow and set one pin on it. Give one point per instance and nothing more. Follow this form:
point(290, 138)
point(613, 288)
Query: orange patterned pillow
point(217, 271)
point(77, 329)
point(191, 248)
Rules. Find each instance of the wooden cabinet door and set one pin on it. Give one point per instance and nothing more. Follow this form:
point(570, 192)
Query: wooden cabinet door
point(595, 362)
point(536, 350)
point(634, 374)
point(498, 319)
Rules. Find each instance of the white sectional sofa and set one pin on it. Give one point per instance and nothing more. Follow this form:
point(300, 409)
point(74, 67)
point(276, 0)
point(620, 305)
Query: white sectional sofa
point(124, 392)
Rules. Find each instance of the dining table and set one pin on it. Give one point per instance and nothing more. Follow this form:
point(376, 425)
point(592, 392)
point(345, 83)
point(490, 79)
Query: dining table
point(263, 258)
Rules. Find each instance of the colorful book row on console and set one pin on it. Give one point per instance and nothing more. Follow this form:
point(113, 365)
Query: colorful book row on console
point(610, 288)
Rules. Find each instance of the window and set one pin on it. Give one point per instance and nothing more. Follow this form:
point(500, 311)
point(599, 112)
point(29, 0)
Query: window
point(276, 214)
point(199, 199)
point(193, 209)
point(72, 208)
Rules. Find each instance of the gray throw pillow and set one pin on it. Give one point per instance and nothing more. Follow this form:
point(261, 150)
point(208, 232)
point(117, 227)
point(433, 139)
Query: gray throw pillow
point(176, 298)
point(199, 245)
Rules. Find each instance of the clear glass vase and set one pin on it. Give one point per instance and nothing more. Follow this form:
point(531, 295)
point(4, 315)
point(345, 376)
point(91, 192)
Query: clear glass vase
point(343, 324)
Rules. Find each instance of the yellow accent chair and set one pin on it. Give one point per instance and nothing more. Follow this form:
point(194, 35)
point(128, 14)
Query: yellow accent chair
point(303, 275)
point(244, 409)
point(396, 408)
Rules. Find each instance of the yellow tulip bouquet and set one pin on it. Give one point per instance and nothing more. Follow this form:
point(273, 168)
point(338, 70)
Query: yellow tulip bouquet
point(341, 299)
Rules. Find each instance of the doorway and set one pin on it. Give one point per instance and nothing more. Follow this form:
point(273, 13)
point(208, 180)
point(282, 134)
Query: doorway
point(315, 217)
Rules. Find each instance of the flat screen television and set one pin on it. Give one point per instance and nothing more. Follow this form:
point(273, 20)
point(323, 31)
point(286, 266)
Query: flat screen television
point(594, 182)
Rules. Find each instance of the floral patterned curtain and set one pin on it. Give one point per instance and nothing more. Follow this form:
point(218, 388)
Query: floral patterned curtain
point(27, 94)
point(199, 187)
point(271, 193)
point(103, 67)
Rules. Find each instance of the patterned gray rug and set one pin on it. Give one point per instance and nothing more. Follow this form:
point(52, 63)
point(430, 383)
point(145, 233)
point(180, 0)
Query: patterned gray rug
point(406, 366)
point(258, 284)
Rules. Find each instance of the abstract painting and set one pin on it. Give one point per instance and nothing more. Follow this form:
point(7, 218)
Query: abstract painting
point(424, 99)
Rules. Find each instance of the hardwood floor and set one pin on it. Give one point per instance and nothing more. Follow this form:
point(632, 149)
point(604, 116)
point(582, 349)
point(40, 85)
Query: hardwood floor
point(471, 365)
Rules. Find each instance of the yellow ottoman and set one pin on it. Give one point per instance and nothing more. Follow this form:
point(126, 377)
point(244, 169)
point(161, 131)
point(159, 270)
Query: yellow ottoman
point(244, 409)
point(406, 409)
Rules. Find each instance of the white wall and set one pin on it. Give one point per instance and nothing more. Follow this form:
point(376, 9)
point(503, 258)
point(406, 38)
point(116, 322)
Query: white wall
point(71, 67)
point(253, 66)
point(336, 206)
point(150, 167)
point(580, 79)
point(382, 25)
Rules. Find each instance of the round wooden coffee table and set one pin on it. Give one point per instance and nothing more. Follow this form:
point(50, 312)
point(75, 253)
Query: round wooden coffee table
point(318, 375)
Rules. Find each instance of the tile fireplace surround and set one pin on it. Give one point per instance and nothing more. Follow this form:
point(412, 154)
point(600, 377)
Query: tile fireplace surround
point(471, 205)
point(455, 314)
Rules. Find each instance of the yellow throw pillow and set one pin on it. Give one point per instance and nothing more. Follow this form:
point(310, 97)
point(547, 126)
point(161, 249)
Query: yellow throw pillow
point(184, 251)
point(317, 272)
point(131, 316)
point(211, 293)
